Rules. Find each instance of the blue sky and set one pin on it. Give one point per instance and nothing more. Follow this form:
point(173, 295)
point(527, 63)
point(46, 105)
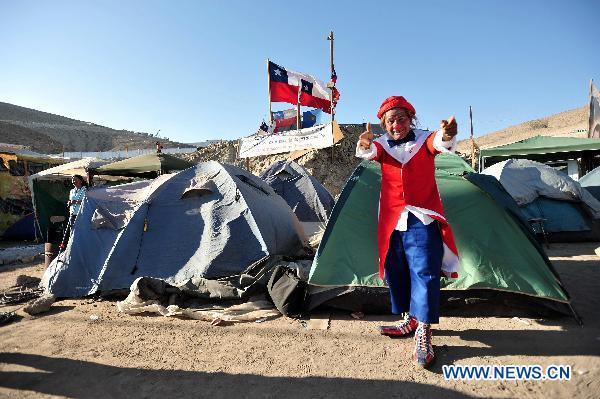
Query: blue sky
point(196, 70)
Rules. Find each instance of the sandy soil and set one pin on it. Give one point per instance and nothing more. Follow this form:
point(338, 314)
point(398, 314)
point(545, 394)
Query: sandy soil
point(64, 353)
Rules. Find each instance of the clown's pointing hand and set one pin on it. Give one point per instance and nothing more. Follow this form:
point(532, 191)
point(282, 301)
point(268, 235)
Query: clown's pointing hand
point(366, 138)
point(449, 128)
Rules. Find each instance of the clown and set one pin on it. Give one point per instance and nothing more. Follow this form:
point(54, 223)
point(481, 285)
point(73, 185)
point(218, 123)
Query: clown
point(415, 243)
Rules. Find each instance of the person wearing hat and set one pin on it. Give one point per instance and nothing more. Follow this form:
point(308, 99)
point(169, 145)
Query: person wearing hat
point(415, 243)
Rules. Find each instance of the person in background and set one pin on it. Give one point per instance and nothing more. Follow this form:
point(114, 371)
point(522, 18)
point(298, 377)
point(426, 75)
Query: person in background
point(159, 147)
point(415, 243)
point(76, 196)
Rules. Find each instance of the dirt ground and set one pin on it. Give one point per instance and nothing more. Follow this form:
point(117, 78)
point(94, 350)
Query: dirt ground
point(69, 352)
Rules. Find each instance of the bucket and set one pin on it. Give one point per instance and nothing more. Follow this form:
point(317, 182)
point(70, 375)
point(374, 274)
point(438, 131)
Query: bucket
point(50, 252)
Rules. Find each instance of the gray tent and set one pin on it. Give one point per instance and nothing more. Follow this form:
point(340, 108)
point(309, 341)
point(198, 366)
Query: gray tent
point(209, 221)
point(308, 198)
point(568, 212)
point(591, 182)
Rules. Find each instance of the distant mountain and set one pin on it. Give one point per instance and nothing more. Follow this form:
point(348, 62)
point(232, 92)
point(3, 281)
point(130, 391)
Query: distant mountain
point(49, 133)
point(571, 123)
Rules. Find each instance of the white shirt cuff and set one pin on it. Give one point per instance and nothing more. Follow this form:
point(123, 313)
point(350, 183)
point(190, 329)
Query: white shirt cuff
point(366, 154)
point(443, 146)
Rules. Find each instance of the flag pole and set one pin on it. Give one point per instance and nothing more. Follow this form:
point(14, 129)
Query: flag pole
point(331, 69)
point(298, 119)
point(472, 139)
point(269, 85)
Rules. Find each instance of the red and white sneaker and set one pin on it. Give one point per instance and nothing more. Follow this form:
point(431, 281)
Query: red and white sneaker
point(400, 330)
point(423, 355)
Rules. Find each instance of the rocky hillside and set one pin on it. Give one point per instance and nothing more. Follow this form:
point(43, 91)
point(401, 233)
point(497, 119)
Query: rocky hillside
point(572, 123)
point(330, 167)
point(39, 142)
point(49, 133)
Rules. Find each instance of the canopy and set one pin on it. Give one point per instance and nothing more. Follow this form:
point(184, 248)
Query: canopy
point(150, 165)
point(67, 170)
point(542, 148)
point(543, 145)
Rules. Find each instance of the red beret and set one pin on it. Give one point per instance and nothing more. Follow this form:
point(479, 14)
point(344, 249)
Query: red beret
point(395, 102)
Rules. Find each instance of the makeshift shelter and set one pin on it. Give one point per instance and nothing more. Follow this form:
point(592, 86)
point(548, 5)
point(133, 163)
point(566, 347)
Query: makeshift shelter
point(591, 182)
point(544, 149)
point(308, 198)
point(50, 191)
point(148, 166)
point(498, 253)
point(555, 204)
point(208, 221)
point(15, 197)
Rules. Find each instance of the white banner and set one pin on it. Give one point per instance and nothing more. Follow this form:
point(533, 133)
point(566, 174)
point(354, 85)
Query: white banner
point(315, 137)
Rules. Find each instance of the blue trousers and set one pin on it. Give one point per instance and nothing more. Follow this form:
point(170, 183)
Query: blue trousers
point(412, 270)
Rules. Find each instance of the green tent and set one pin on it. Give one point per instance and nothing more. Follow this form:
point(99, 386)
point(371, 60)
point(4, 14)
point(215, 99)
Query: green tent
point(541, 149)
point(50, 192)
point(150, 165)
point(496, 248)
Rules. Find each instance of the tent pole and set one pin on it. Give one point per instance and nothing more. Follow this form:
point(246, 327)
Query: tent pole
point(472, 139)
point(576, 315)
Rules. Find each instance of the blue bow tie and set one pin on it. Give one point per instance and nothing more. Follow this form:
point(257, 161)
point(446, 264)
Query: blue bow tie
point(409, 137)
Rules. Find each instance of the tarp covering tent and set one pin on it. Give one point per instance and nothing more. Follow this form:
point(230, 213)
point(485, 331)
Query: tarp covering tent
point(497, 251)
point(150, 166)
point(308, 198)
point(50, 191)
point(591, 182)
point(209, 221)
point(542, 149)
point(22, 230)
point(568, 211)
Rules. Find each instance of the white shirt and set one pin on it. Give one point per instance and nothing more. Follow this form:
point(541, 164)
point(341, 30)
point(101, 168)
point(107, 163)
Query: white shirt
point(402, 153)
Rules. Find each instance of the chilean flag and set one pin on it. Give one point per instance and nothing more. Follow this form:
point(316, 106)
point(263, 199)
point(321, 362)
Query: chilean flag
point(284, 120)
point(285, 85)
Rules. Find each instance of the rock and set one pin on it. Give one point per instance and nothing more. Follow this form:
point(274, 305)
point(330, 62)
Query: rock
point(40, 305)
